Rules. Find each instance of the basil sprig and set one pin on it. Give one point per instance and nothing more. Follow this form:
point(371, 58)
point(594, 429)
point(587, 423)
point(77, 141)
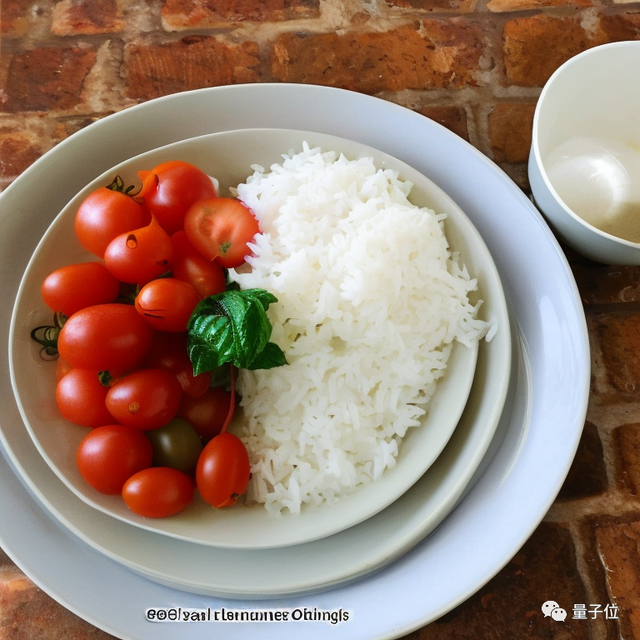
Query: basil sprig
point(233, 327)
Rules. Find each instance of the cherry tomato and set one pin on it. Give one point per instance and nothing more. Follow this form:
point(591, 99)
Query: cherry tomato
point(62, 368)
point(80, 397)
point(206, 277)
point(158, 492)
point(206, 413)
point(77, 286)
point(145, 399)
point(220, 229)
point(105, 214)
point(169, 189)
point(106, 337)
point(223, 470)
point(109, 455)
point(167, 304)
point(169, 351)
point(138, 256)
point(176, 445)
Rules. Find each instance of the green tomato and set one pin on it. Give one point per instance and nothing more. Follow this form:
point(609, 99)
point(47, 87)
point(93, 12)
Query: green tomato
point(176, 445)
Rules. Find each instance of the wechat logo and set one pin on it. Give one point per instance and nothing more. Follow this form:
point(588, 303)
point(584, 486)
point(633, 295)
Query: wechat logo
point(553, 609)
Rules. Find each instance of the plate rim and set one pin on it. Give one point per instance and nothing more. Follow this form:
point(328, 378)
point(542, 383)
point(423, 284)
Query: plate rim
point(399, 121)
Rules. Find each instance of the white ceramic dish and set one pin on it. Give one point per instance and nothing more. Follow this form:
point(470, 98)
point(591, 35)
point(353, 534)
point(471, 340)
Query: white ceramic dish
point(584, 164)
point(491, 523)
point(228, 157)
point(331, 561)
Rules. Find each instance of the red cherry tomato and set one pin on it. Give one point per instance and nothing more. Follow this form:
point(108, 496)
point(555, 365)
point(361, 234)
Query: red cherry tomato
point(169, 351)
point(105, 214)
point(223, 470)
point(77, 286)
point(106, 337)
point(167, 304)
point(109, 455)
point(207, 412)
point(145, 399)
point(206, 277)
point(62, 368)
point(220, 229)
point(138, 256)
point(80, 397)
point(158, 492)
point(169, 189)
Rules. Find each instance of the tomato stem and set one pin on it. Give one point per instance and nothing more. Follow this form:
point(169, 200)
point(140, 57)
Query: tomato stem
point(117, 184)
point(232, 400)
point(47, 336)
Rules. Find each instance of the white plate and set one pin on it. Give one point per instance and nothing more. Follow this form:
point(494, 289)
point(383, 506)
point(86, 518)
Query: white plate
point(228, 156)
point(334, 560)
point(493, 520)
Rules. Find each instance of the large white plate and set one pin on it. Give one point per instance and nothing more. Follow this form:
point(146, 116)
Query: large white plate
point(492, 522)
point(229, 156)
point(335, 560)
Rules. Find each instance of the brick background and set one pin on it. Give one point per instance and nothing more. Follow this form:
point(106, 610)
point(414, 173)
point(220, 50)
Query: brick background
point(475, 66)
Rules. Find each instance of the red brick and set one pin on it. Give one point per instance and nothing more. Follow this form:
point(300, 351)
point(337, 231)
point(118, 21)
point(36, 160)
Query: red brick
point(619, 545)
point(623, 26)
point(626, 444)
point(509, 606)
point(588, 473)
point(191, 63)
point(199, 14)
point(16, 17)
point(535, 46)
point(425, 55)
point(23, 140)
point(28, 613)
point(451, 117)
point(441, 6)
point(604, 284)
point(76, 17)
point(510, 131)
point(16, 154)
point(499, 6)
point(48, 78)
point(617, 338)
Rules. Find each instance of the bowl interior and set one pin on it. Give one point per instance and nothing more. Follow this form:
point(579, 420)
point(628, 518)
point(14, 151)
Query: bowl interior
point(586, 139)
point(228, 156)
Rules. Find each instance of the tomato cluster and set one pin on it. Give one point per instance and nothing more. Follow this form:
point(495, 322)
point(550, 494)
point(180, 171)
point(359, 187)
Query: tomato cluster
point(157, 431)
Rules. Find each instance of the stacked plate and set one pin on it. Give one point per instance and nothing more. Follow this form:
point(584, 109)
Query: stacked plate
point(497, 414)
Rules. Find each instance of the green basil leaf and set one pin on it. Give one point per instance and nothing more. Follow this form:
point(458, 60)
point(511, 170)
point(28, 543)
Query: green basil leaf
point(233, 326)
point(271, 356)
point(210, 343)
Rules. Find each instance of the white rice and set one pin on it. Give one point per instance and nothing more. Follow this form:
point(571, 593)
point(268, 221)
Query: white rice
point(370, 300)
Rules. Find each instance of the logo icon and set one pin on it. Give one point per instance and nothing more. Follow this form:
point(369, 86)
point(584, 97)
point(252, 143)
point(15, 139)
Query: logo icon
point(553, 609)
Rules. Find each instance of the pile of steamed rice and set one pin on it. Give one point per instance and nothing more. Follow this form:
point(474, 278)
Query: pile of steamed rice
point(370, 301)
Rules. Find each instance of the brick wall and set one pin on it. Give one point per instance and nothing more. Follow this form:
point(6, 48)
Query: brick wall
point(476, 66)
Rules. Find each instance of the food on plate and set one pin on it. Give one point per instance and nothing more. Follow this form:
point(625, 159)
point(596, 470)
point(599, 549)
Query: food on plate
point(218, 228)
point(105, 214)
point(318, 298)
point(109, 455)
point(158, 492)
point(120, 334)
point(170, 188)
point(370, 302)
point(77, 286)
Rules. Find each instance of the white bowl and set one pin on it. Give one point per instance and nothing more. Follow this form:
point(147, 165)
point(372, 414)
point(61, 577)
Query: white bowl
point(228, 156)
point(584, 164)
